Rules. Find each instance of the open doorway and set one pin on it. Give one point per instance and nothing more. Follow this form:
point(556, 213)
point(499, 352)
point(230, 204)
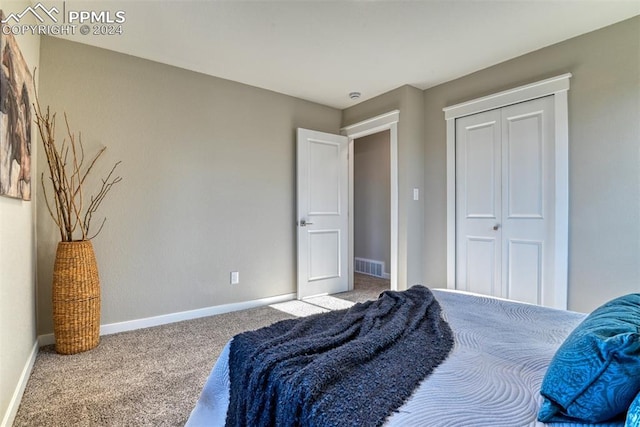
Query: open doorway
point(377, 124)
point(372, 212)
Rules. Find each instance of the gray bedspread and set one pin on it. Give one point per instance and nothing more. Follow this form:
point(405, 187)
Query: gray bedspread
point(491, 378)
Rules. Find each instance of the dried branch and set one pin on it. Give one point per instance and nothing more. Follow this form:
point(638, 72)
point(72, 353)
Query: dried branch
point(99, 229)
point(97, 200)
point(67, 176)
point(56, 219)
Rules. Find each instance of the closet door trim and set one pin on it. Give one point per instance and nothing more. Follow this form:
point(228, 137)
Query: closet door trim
point(558, 87)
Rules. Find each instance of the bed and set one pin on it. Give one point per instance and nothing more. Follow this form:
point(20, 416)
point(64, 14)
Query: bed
point(491, 377)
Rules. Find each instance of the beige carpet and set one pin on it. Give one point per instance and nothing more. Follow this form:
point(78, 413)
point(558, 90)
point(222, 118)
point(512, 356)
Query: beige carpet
point(148, 377)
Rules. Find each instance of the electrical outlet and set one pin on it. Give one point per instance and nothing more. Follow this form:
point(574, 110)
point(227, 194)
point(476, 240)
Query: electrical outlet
point(235, 277)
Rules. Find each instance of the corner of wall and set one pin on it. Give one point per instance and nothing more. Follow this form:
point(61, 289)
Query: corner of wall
point(16, 397)
point(18, 343)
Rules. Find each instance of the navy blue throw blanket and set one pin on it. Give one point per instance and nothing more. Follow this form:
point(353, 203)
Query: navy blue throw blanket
point(343, 368)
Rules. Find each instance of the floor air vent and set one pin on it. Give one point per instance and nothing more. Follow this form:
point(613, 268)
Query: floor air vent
point(370, 267)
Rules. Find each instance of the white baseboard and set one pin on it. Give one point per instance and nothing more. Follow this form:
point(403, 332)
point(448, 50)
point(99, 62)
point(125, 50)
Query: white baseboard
point(130, 325)
point(14, 403)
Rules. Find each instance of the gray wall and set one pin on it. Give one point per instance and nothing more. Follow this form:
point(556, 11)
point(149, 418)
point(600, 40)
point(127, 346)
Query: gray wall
point(410, 102)
point(17, 266)
point(604, 156)
point(371, 198)
point(209, 173)
point(209, 179)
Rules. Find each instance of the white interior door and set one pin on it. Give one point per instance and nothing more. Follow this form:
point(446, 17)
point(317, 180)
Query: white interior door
point(528, 201)
point(322, 205)
point(478, 189)
point(505, 194)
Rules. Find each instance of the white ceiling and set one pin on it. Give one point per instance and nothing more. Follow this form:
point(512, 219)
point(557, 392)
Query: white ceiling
point(322, 50)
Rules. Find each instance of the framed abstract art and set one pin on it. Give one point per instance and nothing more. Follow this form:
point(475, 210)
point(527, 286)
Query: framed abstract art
point(16, 99)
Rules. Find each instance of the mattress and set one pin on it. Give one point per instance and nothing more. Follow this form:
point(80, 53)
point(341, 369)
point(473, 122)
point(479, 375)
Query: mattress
point(491, 378)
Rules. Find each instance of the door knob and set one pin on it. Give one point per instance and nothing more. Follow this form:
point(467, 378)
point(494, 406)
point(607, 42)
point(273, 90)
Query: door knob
point(304, 223)
point(495, 227)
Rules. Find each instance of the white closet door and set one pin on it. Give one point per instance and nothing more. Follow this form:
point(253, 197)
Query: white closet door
point(528, 195)
point(505, 201)
point(478, 204)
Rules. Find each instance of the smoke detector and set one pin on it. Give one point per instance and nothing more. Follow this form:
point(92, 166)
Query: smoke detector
point(354, 95)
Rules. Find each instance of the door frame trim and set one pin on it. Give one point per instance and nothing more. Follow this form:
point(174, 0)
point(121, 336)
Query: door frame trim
point(387, 121)
point(558, 87)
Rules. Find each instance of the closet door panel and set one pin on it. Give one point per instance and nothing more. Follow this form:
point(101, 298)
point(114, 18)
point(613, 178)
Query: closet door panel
point(528, 199)
point(505, 201)
point(478, 203)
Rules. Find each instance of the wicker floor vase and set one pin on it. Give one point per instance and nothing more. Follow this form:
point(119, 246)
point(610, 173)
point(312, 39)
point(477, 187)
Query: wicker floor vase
point(76, 298)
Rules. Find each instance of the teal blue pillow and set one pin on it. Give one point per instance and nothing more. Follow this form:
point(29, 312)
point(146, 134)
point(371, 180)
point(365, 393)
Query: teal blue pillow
point(633, 414)
point(595, 374)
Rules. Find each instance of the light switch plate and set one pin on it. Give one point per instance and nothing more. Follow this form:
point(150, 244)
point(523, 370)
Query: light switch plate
point(235, 277)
